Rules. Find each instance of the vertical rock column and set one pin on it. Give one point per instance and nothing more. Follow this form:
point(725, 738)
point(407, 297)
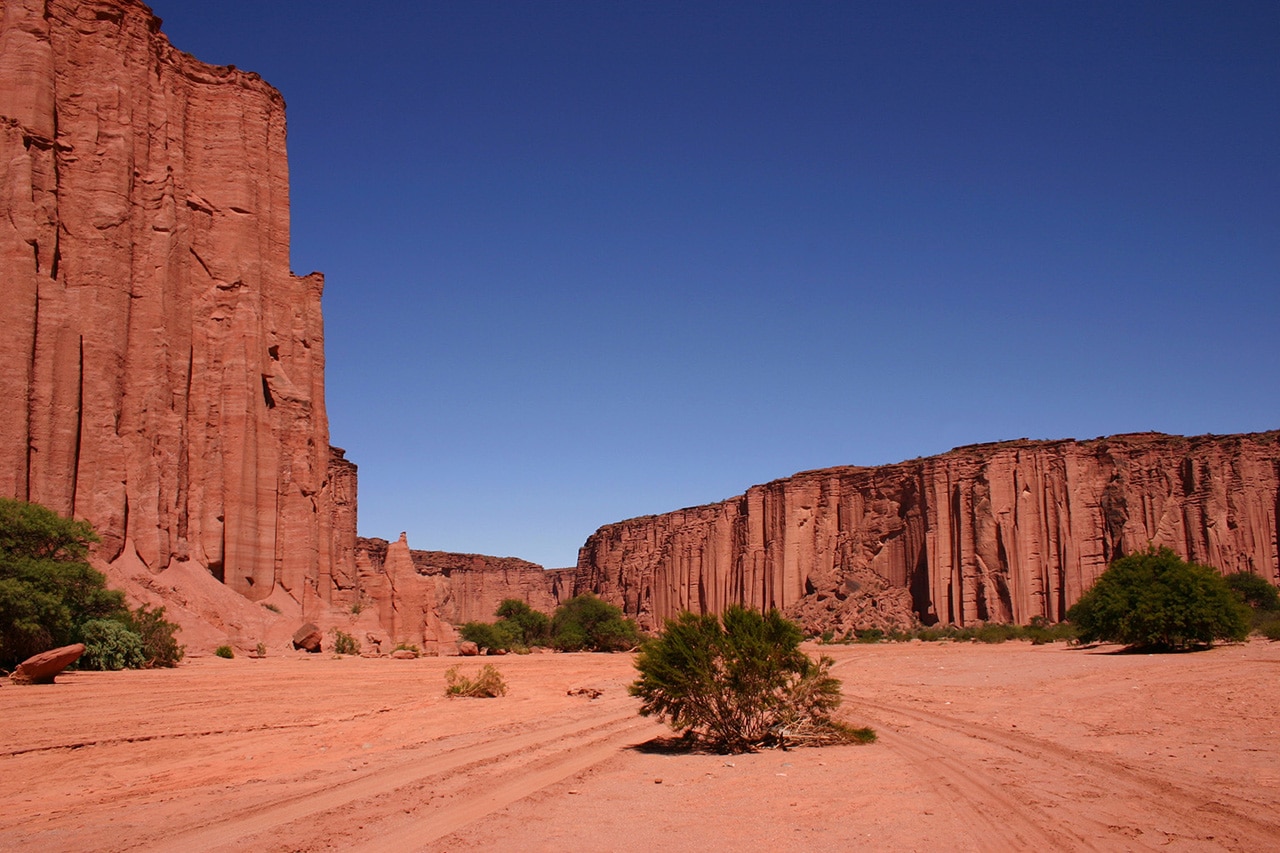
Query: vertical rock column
point(163, 370)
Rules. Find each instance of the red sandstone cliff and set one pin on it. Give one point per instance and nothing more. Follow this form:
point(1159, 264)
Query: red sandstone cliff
point(419, 594)
point(1000, 532)
point(162, 370)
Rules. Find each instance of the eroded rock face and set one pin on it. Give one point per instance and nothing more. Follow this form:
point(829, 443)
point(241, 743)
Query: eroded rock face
point(1001, 532)
point(466, 587)
point(163, 370)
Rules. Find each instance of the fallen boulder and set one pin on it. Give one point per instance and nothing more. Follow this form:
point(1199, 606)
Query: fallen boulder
point(308, 638)
point(44, 667)
point(468, 649)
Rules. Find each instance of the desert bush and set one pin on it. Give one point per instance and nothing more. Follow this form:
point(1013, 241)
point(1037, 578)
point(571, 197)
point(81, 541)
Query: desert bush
point(109, 645)
point(739, 682)
point(529, 627)
point(585, 622)
point(487, 635)
point(487, 684)
point(869, 635)
point(1156, 600)
point(1255, 591)
point(407, 647)
point(261, 650)
point(344, 643)
point(224, 652)
point(159, 646)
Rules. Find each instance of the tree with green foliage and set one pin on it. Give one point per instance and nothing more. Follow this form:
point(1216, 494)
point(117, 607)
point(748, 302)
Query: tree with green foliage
point(1255, 591)
point(529, 627)
point(50, 597)
point(586, 623)
point(1262, 600)
point(47, 591)
point(487, 635)
point(740, 681)
point(1155, 599)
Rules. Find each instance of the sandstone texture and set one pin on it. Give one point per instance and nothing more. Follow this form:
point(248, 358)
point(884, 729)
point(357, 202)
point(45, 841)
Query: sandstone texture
point(420, 595)
point(1000, 532)
point(44, 667)
point(162, 369)
point(308, 638)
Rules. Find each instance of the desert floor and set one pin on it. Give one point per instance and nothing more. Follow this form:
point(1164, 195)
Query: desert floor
point(1008, 747)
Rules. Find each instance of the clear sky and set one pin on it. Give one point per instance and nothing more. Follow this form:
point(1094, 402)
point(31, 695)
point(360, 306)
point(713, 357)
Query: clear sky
point(593, 260)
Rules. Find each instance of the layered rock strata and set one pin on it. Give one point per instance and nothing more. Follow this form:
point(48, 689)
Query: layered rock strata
point(162, 369)
point(1001, 532)
point(421, 594)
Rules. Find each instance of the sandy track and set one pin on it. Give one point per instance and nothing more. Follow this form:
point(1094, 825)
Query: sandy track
point(981, 748)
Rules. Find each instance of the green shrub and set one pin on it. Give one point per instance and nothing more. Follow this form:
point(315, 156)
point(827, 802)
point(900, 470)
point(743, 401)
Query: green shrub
point(159, 647)
point(586, 623)
point(487, 684)
point(261, 650)
point(1154, 599)
point(1254, 591)
point(740, 681)
point(407, 647)
point(527, 626)
point(487, 635)
point(49, 597)
point(109, 645)
point(344, 643)
point(224, 652)
point(47, 591)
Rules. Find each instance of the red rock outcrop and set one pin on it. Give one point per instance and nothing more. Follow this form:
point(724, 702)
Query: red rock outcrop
point(462, 587)
point(999, 532)
point(162, 369)
point(44, 667)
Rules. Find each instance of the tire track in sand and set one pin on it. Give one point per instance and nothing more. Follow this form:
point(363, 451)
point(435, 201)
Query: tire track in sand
point(560, 751)
point(1184, 810)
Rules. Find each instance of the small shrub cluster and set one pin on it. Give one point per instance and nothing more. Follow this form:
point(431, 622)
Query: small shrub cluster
point(1038, 632)
point(740, 681)
point(225, 652)
point(487, 684)
point(344, 643)
point(583, 623)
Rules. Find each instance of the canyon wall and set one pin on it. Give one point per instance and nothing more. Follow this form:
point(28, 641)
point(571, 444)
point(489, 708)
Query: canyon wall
point(1001, 532)
point(162, 369)
point(419, 594)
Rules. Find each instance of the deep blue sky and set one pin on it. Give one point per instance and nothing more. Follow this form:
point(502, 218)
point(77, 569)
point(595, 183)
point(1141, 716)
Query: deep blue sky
point(593, 260)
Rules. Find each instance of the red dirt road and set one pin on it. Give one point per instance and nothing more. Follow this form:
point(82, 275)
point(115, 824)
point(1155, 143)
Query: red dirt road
point(1005, 747)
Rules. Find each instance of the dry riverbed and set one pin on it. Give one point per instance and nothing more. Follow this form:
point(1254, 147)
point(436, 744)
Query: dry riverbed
point(1008, 747)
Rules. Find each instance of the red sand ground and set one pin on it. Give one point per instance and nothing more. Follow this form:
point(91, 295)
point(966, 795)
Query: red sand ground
point(1009, 747)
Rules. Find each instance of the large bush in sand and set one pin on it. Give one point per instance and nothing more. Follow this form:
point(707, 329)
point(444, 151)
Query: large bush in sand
point(1154, 599)
point(740, 681)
